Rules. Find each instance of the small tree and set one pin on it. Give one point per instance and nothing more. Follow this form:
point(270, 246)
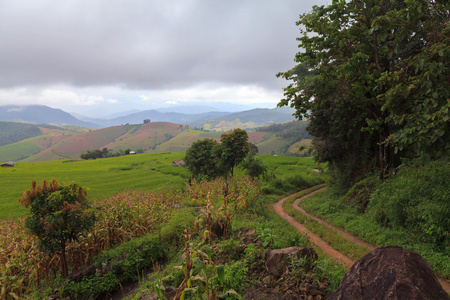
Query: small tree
point(59, 214)
point(235, 148)
point(253, 166)
point(201, 159)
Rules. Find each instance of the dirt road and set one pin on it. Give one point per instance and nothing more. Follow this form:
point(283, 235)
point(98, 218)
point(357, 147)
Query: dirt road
point(334, 254)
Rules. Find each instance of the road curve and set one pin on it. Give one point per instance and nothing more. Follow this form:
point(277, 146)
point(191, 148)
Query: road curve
point(336, 255)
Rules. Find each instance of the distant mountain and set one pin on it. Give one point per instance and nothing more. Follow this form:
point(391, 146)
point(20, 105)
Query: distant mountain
point(246, 119)
point(40, 114)
point(188, 109)
point(156, 116)
point(212, 120)
point(195, 116)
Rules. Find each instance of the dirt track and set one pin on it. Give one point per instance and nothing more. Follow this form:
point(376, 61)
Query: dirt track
point(334, 254)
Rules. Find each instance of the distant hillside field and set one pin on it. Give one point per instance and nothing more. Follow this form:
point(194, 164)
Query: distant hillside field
point(11, 132)
point(69, 142)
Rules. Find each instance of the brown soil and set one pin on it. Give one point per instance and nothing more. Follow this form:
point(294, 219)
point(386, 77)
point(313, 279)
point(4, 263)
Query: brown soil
point(334, 254)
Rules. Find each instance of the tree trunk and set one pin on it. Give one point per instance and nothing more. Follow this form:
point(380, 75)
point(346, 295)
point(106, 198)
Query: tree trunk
point(383, 150)
point(63, 259)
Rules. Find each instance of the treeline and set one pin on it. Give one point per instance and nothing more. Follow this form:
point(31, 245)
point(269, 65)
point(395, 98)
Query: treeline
point(12, 132)
point(104, 153)
point(373, 82)
point(295, 130)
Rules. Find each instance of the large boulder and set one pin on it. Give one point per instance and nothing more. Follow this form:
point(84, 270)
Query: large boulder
point(390, 273)
point(277, 261)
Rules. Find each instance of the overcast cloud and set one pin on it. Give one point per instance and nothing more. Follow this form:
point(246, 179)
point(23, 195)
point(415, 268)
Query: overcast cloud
point(102, 56)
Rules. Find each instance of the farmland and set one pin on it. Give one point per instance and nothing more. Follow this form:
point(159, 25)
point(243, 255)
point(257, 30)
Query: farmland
point(104, 177)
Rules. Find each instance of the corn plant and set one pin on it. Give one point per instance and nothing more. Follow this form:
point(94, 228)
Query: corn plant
point(202, 278)
point(121, 217)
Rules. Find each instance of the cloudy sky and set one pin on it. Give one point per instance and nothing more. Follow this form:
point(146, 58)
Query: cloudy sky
point(97, 57)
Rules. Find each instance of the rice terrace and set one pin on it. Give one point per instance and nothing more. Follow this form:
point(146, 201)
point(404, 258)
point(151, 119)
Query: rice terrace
point(148, 150)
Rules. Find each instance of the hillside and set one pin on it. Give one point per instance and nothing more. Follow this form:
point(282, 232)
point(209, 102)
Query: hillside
point(11, 132)
point(40, 114)
point(246, 119)
point(70, 141)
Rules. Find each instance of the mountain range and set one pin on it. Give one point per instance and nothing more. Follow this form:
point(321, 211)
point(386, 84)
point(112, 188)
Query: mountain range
point(210, 120)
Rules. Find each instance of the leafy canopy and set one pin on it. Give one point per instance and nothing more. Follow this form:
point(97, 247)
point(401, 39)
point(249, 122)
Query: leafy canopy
point(210, 159)
point(372, 78)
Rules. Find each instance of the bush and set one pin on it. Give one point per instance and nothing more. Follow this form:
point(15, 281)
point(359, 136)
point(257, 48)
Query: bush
point(416, 200)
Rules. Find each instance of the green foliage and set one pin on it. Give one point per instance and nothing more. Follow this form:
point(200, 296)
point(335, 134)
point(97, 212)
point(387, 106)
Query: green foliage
point(417, 90)
point(416, 201)
point(59, 214)
point(410, 209)
point(253, 166)
point(234, 149)
point(209, 159)
point(371, 75)
point(201, 159)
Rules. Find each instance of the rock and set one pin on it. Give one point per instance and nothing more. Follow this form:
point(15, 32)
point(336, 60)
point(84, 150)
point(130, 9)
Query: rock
point(77, 276)
point(277, 261)
point(390, 273)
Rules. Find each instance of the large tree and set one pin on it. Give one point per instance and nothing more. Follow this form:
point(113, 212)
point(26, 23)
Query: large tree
point(342, 81)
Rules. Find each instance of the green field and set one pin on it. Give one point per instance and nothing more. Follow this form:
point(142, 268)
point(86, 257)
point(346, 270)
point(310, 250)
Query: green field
point(104, 177)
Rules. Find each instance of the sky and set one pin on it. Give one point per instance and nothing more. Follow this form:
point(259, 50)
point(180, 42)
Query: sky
point(100, 57)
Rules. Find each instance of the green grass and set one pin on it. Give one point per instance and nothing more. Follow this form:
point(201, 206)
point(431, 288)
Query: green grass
point(339, 243)
point(102, 177)
point(420, 191)
point(20, 150)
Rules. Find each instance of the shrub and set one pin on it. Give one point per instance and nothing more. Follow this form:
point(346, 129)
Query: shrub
point(59, 214)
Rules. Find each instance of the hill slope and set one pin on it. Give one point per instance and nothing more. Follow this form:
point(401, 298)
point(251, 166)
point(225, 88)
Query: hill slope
point(11, 132)
point(70, 142)
point(40, 114)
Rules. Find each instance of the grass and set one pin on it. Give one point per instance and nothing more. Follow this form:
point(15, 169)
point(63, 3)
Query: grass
point(20, 149)
point(339, 243)
point(102, 177)
point(421, 188)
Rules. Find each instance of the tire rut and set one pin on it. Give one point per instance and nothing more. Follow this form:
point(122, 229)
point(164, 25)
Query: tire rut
point(330, 251)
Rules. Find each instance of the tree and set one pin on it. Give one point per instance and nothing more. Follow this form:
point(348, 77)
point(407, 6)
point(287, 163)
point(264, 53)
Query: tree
point(234, 148)
point(201, 159)
point(105, 152)
point(417, 91)
point(253, 166)
point(345, 80)
point(253, 148)
point(59, 214)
